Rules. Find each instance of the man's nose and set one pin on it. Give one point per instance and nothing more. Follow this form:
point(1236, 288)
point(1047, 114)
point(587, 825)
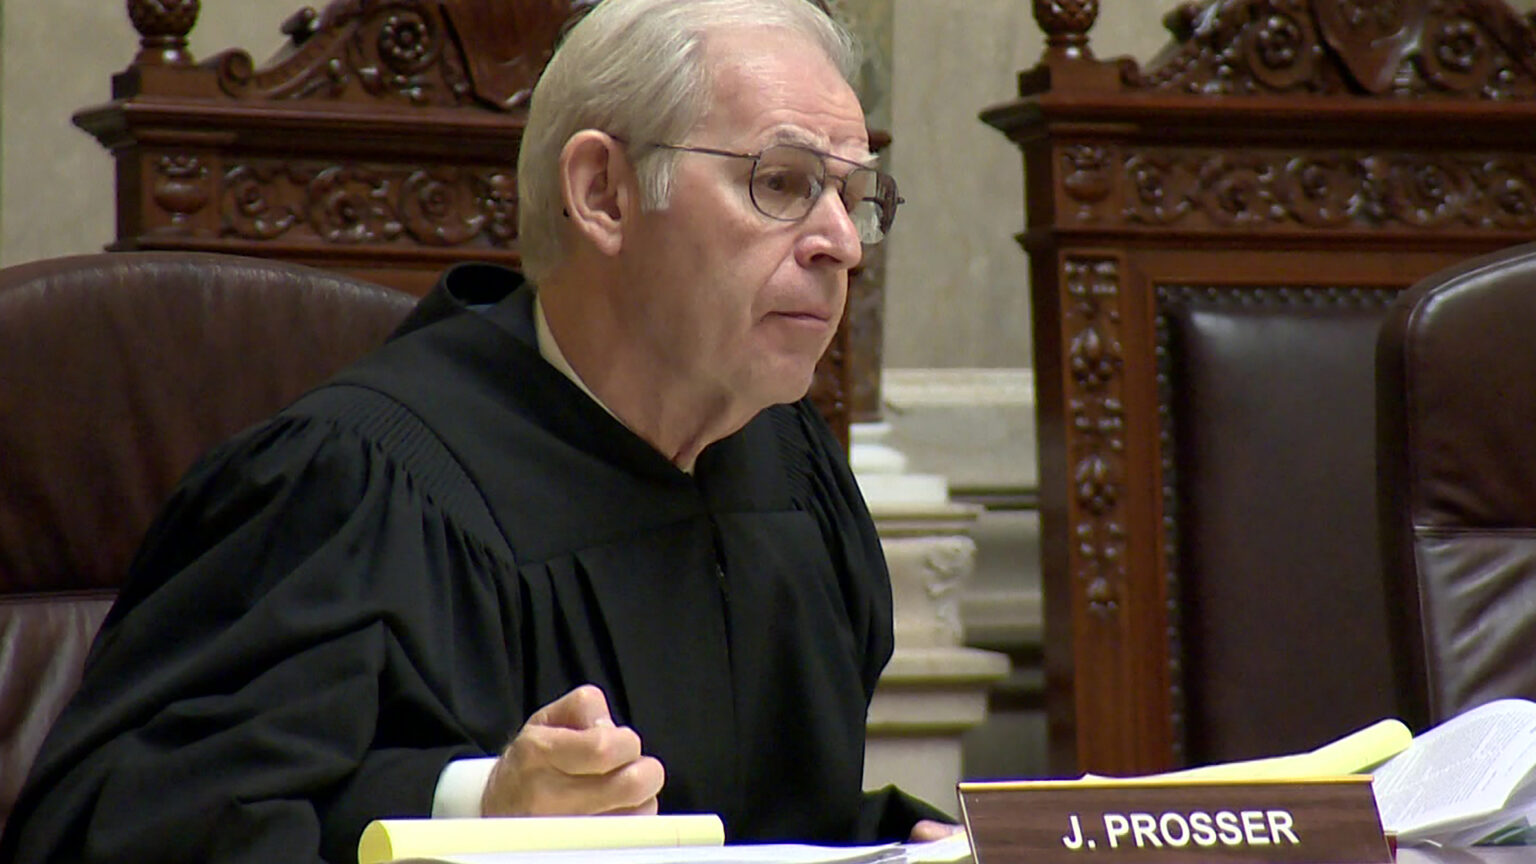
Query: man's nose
point(830, 238)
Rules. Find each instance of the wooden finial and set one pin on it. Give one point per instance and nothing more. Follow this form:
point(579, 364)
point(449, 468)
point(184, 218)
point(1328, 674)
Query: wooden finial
point(163, 26)
point(1066, 24)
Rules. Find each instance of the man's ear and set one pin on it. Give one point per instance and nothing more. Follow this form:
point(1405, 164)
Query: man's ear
point(598, 188)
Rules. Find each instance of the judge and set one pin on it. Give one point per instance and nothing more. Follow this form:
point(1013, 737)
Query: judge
point(591, 513)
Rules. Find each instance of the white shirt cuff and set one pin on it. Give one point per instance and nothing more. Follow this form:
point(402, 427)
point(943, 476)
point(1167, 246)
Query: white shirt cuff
point(460, 788)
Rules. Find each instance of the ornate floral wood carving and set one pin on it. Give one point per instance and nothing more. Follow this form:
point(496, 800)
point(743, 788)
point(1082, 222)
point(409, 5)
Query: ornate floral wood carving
point(1095, 362)
point(508, 44)
point(424, 52)
point(369, 205)
point(380, 141)
point(1414, 48)
point(392, 49)
point(181, 187)
point(1277, 189)
point(1373, 38)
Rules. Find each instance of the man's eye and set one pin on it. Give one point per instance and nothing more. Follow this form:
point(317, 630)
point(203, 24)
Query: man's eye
point(786, 183)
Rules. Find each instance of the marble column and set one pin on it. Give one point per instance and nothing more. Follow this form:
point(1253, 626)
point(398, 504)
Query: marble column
point(934, 688)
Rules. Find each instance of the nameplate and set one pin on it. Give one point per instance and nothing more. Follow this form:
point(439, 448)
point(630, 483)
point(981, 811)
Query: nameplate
point(1325, 821)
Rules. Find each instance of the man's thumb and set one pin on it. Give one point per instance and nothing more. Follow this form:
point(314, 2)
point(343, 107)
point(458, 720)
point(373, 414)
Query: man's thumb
point(582, 708)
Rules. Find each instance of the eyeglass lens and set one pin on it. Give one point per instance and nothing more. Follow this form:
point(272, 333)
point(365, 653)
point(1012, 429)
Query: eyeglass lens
point(788, 180)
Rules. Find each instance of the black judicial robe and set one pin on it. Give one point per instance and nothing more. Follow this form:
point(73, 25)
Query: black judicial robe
point(397, 570)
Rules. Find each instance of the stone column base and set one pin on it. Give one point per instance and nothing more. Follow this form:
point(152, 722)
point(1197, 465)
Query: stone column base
point(934, 689)
point(927, 699)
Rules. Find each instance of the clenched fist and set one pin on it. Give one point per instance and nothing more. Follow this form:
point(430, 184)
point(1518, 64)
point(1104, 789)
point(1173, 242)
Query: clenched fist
point(570, 760)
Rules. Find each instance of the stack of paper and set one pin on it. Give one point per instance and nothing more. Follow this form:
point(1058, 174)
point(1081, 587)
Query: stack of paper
point(674, 839)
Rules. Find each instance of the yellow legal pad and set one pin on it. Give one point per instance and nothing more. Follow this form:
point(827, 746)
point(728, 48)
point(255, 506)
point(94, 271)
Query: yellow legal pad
point(1355, 753)
point(387, 840)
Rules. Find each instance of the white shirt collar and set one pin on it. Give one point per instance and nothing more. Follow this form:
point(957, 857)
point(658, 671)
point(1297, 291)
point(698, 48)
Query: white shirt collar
point(550, 351)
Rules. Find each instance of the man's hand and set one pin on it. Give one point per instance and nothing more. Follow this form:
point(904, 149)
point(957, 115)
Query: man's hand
point(927, 831)
point(570, 760)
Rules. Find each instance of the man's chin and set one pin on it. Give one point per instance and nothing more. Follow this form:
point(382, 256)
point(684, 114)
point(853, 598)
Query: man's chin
point(784, 376)
point(793, 384)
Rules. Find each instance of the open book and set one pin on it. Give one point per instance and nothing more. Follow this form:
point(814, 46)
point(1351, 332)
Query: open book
point(1470, 780)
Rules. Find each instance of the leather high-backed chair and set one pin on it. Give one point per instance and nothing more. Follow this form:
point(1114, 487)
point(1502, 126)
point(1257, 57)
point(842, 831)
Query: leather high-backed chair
point(1456, 415)
point(1268, 417)
point(117, 371)
point(1214, 236)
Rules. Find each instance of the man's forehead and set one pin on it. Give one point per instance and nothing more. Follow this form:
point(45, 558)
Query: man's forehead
point(850, 146)
point(778, 87)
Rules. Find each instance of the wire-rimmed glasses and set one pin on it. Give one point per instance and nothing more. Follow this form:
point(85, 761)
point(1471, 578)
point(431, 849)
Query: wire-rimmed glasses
point(788, 179)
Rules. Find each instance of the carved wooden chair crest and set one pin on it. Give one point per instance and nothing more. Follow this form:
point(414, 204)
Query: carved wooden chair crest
point(1213, 240)
point(381, 141)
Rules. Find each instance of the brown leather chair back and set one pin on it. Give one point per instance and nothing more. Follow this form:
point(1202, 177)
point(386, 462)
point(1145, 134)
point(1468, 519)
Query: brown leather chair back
point(1267, 403)
point(117, 371)
point(1456, 417)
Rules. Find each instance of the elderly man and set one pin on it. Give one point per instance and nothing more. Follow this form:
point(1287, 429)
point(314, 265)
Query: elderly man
point(598, 517)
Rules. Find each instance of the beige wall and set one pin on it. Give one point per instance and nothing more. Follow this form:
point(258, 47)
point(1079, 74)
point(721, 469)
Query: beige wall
point(59, 56)
point(956, 287)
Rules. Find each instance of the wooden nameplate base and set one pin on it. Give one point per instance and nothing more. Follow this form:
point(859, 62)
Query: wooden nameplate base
point(1323, 821)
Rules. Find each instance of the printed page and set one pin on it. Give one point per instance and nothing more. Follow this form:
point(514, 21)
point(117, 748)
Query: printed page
point(1460, 774)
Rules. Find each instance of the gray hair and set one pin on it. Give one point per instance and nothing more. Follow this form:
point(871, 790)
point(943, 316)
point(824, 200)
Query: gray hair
point(635, 69)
